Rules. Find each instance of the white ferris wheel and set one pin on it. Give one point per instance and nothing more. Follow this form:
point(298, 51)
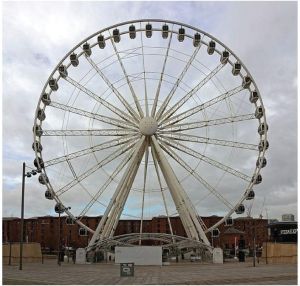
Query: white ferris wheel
point(146, 118)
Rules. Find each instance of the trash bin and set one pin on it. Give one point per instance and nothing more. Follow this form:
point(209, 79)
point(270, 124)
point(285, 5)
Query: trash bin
point(241, 256)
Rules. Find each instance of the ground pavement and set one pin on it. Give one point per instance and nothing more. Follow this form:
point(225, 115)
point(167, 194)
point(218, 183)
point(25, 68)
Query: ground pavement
point(176, 273)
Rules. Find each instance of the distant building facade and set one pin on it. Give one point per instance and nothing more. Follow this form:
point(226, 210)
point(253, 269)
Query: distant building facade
point(45, 230)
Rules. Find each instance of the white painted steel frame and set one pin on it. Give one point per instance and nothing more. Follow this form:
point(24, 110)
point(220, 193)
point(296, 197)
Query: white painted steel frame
point(165, 139)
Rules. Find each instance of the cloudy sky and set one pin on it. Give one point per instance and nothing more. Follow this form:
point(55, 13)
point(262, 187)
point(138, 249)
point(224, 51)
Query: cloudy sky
point(36, 35)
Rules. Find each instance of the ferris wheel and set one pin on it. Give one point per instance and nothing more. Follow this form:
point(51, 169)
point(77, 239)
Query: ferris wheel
point(150, 118)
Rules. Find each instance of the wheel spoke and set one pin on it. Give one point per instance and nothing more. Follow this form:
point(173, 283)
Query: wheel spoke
point(93, 132)
point(210, 188)
point(96, 197)
point(105, 225)
point(194, 90)
point(205, 123)
point(144, 189)
point(105, 103)
point(114, 90)
point(102, 118)
point(183, 204)
point(206, 140)
point(174, 88)
point(144, 75)
point(99, 165)
point(194, 110)
point(162, 191)
point(87, 151)
point(206, 159)
point(161, 76)
point(138, 106)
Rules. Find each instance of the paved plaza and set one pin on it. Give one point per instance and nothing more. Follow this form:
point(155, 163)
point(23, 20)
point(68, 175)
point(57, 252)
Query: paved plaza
point(176, 273)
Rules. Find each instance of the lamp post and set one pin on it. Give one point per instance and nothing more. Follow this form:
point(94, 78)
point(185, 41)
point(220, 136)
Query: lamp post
point(28, 175)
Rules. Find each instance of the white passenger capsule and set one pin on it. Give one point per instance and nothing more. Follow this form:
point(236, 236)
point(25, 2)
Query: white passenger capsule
point(181, 33)
point(101, 41)
point(240, 209)
point(257, 180)
point(229, 221)
point(236, 68)
point(259, 112)
point(116, 36)
point(59, 208)
point(48, 195)
point(38, 162)
point(38, 130)
point(74, 60)
point(165, 31)
point(215, 232)
point(41, 114)
point(211, 47)
point(250, 195)
point(46, 99)
point(246, 81)
point(53, 84)
point(63, 71)
point(87, 49)
point(43, 179)
point(197, 40)
point(262, 128)
point(261, 161)
point(224, 57)
point(261, 145)
point(253, 96)
point(132, 32)
point(38, 146)
point(148, 30)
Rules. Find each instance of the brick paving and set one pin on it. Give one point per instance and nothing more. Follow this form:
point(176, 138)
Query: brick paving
point(174, 274)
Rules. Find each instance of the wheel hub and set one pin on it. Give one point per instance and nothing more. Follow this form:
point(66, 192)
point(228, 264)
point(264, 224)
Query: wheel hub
point(148, 126)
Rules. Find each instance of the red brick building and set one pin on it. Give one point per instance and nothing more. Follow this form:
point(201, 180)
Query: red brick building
point(45, 230)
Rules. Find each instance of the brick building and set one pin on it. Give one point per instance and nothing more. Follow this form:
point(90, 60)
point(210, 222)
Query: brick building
point(45, 230)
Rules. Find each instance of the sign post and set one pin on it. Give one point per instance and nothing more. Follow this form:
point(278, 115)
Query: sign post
point(126, 269)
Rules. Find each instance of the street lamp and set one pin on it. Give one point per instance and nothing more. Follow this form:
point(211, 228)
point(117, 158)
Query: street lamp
point(59, 208)
point(28, 175)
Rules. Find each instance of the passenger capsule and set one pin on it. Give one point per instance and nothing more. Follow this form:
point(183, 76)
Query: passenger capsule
point(261, 145)
point(224, 57)
point(83, 232)
point(43, 179)
point(165, 31)
point(250, 195)
point(41, 114)
point(38, 130)
point(261, 161)
point(236, 68)
point(74, 60)
point(215, 232)
point(262, 128)
point(181, 33)
point(69, 221)
point(48, 195)
point(38, 162)
point(46, 99)
point(240, 209)
point(132, 32)
point(87, 49)
point(229, 221)
point(101, 41)
point(53, 84)
point(253, 96)
point(63, 71)
point(257, 180)
point(211, 47)
point(259, 112)
point(148, 30)
point(116, 35)
point(197, 40)
point(59, 208)
point(246, 81)
point(38, 146)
